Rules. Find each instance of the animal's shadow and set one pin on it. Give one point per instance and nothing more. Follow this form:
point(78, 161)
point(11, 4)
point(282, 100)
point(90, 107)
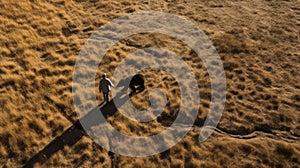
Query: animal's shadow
point(136, 83)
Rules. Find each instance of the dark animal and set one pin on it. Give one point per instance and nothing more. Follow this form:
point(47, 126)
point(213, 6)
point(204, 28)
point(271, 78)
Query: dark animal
point(137, 83)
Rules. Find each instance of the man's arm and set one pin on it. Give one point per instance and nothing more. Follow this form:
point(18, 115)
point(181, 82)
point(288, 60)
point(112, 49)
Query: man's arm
point(111, 84)
point(100, 86)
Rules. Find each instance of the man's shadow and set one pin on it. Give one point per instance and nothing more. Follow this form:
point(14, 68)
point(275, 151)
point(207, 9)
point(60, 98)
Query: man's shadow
point(75, 132)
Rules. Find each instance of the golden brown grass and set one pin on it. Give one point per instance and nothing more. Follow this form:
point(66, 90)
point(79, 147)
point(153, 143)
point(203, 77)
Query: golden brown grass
point(256, 40)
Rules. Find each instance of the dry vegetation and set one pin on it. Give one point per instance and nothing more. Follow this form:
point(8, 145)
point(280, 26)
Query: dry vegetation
point(258, 42)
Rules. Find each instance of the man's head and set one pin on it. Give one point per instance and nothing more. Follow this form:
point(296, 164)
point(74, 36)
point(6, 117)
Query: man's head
point(104, 75)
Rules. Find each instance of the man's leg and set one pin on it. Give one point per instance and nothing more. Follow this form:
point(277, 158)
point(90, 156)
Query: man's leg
point(105, 97)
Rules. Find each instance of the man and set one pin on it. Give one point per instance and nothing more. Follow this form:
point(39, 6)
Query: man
point(105, 86)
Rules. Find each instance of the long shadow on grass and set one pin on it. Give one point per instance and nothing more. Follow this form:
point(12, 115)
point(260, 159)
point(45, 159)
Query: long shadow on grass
point(74, 133)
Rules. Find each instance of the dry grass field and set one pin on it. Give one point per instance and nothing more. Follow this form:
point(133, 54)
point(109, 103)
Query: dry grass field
point(258, 42)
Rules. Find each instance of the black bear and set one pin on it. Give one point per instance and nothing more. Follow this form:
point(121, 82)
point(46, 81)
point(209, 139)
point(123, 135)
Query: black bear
point(137, 83)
